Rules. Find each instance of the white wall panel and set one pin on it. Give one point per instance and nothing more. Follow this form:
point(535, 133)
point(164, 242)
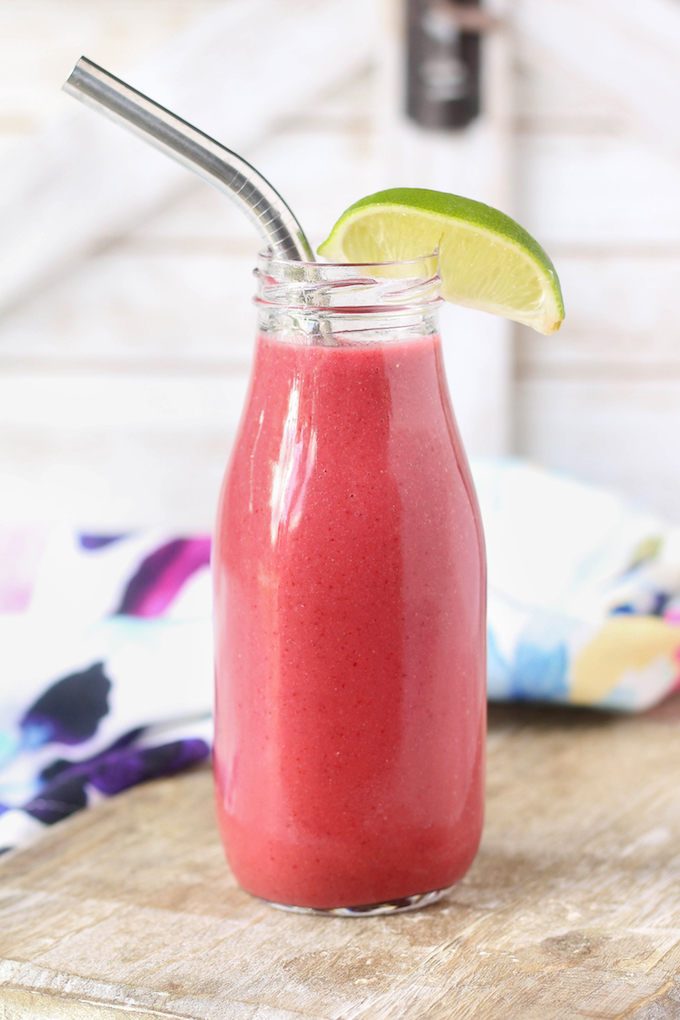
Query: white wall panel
point(41, 40)
point(132, 307)
point(83, 180)
point(599, 185)
point(122, 381)
point(594, 189)
point(180, 286)
point(122, 451)
point(629, 49)
point(89, 402)
point(622, 316)
point(620, 433)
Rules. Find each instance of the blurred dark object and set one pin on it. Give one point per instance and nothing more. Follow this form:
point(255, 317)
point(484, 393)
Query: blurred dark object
point(443, 61)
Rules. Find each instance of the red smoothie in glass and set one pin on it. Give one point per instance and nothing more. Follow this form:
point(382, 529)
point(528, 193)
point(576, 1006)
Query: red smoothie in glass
point(350, 629)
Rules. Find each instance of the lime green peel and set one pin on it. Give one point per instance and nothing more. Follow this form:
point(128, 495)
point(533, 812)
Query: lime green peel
point(486, 260)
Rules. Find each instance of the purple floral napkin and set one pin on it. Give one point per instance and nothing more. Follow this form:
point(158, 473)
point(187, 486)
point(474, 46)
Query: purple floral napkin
point(106, 643)
point(105, 668)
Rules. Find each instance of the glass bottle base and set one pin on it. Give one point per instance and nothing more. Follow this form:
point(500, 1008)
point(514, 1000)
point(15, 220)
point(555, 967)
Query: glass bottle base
point(370, 909)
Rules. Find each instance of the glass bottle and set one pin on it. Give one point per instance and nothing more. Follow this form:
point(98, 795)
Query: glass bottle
point(350, 601)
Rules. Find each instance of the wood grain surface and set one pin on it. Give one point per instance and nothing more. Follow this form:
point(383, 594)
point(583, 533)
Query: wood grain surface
point(571, 910)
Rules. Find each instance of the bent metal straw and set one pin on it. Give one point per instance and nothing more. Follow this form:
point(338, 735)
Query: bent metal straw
point(221, 167)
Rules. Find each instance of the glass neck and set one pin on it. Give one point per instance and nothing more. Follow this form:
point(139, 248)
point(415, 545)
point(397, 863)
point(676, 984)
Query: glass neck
point(335, 304)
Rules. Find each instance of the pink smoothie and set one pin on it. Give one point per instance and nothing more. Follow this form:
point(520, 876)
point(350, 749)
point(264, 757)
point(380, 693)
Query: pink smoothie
point(350, 630)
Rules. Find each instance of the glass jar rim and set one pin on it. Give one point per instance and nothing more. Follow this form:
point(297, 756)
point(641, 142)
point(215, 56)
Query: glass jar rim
point(267, 256)
point(332, 287)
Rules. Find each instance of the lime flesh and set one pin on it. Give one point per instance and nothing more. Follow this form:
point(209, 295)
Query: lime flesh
point(486, 260)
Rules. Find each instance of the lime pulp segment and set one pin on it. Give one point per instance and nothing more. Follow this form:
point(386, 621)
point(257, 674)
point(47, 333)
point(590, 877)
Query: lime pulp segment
point(486, 260)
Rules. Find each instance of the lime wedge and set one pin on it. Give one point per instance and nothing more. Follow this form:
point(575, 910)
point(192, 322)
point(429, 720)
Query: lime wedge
point(486, 260)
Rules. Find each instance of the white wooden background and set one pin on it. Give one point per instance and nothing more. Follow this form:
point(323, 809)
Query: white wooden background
point(598, 181)
point(122, 378)
point(123, 365)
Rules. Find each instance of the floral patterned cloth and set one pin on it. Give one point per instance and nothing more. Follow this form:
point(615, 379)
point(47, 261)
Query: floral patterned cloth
point(584, 592)
point(105, 667)
point(106, 646)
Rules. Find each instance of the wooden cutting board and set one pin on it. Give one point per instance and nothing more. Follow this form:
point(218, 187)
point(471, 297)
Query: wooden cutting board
point(571, 910)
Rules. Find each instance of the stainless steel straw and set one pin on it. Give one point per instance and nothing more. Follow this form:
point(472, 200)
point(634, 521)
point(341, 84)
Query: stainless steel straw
point(96, 88)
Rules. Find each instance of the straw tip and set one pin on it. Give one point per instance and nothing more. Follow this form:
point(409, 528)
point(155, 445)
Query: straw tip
point(79, 65)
